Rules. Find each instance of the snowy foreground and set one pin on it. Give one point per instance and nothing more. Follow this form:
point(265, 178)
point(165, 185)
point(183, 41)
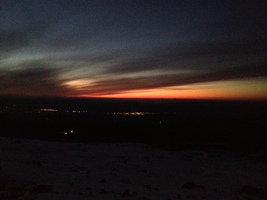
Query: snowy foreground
point(61, 170)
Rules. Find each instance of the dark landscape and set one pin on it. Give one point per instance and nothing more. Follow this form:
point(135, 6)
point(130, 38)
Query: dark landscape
point(176, 124)
point(58, 148)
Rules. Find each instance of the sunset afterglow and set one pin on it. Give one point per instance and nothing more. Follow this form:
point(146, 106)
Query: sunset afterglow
point(133, 49)
point(247, 90)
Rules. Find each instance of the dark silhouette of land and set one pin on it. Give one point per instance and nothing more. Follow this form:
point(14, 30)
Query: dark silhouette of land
point(176, 124)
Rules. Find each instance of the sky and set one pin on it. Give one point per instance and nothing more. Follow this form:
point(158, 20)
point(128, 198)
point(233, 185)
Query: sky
point(134, 48)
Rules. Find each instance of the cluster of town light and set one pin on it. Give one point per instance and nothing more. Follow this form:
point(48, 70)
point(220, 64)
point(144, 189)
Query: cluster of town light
point(48, 110)
point(85, 111)
point(131, 113)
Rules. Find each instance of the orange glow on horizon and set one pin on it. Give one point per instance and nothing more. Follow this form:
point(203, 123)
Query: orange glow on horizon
point(230, 90)
point(198, 95)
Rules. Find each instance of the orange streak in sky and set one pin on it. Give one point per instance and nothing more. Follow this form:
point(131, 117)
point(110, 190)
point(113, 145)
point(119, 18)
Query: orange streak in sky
point(219, 90)
point(223, 95)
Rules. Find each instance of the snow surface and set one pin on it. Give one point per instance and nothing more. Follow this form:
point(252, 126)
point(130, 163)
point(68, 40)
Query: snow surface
point(65, 170)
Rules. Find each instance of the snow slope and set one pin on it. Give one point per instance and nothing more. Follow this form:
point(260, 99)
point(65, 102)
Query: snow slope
point(61, 170)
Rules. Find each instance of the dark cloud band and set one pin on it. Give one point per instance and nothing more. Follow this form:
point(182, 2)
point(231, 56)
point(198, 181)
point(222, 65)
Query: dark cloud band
point(32, 82)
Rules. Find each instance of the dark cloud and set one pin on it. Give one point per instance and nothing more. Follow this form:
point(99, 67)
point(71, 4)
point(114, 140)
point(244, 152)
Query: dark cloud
point(12, 39)
point(32, 82)
point(200, 56)
point(20, 37)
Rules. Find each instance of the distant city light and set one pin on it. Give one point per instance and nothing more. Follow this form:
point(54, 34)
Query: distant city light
point(48, 110)
point(132, 113)
point(68, 132)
